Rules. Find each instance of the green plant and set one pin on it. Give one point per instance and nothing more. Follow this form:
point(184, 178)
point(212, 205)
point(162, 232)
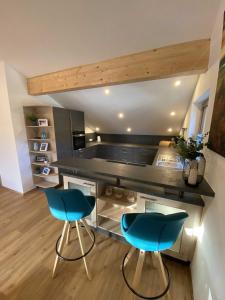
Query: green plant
point(190, 148)
point(31, 117)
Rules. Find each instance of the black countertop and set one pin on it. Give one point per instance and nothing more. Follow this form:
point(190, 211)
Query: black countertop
point(152, 175)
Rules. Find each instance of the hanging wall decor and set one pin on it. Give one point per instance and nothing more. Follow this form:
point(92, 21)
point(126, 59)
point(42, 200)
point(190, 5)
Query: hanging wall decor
point(217, 130)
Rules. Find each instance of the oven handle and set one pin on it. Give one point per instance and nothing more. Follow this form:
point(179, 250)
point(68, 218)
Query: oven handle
point(78, 135)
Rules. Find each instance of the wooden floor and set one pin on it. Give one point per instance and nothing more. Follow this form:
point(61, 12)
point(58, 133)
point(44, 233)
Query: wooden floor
point(27, 240)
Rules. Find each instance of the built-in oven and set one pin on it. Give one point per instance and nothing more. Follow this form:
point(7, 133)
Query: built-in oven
point(78, 140)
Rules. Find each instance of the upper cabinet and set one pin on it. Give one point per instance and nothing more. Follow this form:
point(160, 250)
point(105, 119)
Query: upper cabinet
point(63, 133)
point(77, 120)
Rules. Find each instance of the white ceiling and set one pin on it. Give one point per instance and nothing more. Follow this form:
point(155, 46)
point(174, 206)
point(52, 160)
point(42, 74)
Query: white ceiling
point(39, 36)
point(146, 105)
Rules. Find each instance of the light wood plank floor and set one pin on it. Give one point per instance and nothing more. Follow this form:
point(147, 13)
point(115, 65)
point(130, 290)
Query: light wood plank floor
point(27, 241)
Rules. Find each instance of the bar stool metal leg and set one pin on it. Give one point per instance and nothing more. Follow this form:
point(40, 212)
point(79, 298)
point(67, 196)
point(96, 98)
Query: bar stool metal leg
point(60, 247)
point(81, 241)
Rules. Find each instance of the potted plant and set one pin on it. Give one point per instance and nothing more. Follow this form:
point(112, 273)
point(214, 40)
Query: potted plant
point(32, 118)
point(190, 151)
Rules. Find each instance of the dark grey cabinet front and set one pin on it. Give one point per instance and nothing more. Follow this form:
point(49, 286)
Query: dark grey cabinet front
point(77, 120)
point(63, 134)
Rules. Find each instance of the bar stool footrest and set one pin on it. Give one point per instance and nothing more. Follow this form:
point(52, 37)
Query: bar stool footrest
point(140, 295)
point(75, 258)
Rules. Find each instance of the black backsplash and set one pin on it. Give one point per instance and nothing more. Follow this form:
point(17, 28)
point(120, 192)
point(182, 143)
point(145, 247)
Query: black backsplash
point(131, 138)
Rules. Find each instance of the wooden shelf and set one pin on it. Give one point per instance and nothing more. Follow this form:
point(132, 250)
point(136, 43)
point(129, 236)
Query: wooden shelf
point(31, 126)
point(113, 200)
point(110, 225)
point(41, 164)
point(41, 140)
point(46, 184)
point(41, 152)
point(45, 176)
point(115, 212)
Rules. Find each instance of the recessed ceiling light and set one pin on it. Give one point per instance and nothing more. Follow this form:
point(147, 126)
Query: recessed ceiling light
point(170, 129)
point(107, 91)
point(129, 129)
point(177, 83)
point(172, 113)
point(97, 128)
point(120, 115)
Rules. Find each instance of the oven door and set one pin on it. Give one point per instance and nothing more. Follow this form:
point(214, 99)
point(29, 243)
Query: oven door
point(78, 142)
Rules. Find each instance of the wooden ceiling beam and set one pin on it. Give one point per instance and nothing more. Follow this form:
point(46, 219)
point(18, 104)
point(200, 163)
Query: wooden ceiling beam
point(174, 60)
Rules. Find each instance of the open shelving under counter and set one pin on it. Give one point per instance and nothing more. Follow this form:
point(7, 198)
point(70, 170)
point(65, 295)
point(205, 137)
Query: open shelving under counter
point(109, 225)
point(110, 208)
point(114, 210)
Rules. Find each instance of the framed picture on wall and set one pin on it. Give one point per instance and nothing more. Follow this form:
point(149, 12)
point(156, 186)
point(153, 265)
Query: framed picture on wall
point(217, 131)
point(44, 147)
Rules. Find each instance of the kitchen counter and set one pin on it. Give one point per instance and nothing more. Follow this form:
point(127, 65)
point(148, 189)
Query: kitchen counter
point(149, 174)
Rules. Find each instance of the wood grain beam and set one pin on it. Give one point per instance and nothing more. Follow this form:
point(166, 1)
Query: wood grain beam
point(174, 60)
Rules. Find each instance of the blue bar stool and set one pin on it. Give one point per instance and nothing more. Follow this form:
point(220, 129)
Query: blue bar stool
point(71, 206)
point(150, 232)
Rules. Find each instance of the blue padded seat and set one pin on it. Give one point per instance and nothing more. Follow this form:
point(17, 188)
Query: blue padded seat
point(152, 231)
point(69, 205)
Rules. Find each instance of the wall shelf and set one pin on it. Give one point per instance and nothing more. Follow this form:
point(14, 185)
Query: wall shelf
point(32, 126)
point(45, 176)
point(41, 164)
point(39, 140)
point(45, 184)
point(35, 131)
point(41, 152)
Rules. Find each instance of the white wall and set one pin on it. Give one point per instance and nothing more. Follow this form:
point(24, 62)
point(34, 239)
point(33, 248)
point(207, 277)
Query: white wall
point(9, 165)
point(208, 266)
point(15, 167)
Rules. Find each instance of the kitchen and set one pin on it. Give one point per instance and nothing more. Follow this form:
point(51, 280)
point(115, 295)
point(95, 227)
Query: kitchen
point(125, 172)
point(112, 156)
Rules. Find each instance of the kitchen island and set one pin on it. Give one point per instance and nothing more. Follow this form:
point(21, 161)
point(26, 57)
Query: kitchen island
point(124, 187)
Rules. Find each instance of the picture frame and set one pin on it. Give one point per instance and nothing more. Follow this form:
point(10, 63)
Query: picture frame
point(43, 147)
point(35, 146)
point(41, 158)
point(42, 122)
point(46, 171)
